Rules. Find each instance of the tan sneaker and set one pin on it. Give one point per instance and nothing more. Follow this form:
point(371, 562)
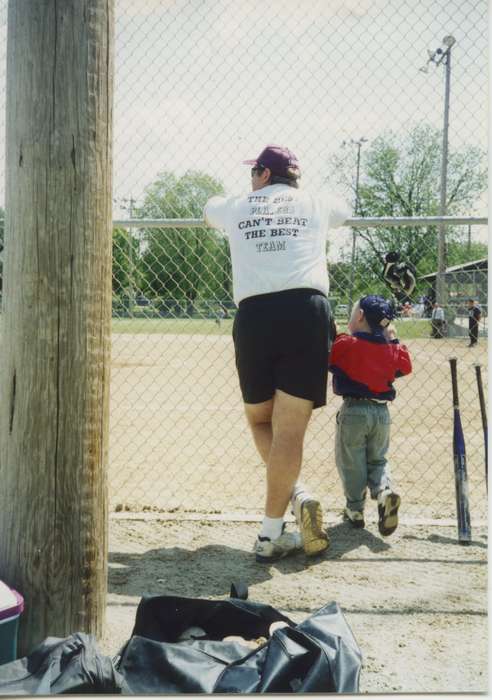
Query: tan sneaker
point(388, 504)
point(309, 517)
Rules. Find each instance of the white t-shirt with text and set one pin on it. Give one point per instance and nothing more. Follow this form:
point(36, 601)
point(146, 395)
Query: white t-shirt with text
point(277, 237)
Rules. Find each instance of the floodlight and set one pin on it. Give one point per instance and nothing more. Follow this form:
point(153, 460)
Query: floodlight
point(449, 41)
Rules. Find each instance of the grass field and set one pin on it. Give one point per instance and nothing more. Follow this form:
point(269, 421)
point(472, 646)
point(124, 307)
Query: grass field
point(175, 326)
point(190, 326)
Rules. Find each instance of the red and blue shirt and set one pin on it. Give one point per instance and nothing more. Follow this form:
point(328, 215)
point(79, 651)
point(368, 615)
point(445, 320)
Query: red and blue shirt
point(365, 365)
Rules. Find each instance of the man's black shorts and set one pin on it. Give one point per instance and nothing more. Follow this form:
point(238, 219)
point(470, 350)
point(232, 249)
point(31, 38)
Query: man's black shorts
point(282, 341)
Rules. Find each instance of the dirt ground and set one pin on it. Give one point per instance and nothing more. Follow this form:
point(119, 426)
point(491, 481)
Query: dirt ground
point(179, 446)
point(179, 440)
point(416, 601)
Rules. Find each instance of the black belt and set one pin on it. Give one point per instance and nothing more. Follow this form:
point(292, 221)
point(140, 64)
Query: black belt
point(381, 402)
point(304, 291)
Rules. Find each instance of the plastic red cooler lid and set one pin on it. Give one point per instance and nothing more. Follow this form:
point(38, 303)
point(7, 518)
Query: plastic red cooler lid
point(11, 602)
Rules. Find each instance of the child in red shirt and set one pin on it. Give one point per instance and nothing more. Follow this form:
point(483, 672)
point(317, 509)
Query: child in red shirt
point(364, 365)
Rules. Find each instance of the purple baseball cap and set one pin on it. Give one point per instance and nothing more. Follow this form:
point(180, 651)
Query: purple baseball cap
point(278, 159)
point(377, 310)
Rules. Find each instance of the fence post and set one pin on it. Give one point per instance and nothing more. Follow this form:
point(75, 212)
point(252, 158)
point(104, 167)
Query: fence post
point(54, 361)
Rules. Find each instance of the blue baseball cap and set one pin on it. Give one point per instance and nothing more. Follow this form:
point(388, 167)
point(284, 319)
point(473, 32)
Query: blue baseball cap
point(377, 311)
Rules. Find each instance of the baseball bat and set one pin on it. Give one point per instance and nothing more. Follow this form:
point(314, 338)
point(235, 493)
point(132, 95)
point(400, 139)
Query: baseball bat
point(459, 454)
point(483, 411)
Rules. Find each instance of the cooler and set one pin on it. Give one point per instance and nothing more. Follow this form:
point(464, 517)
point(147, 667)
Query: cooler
point(11, 606)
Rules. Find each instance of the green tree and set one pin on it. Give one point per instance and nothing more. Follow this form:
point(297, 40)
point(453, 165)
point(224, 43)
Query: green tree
point(127, 277)
point(183, 263)
point(401, 177)
point(460, 252)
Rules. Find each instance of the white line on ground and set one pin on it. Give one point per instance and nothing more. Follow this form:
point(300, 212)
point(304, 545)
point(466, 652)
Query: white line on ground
point(330, 517)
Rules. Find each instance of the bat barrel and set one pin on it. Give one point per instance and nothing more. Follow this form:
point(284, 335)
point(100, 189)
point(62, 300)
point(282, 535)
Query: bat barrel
point(459, 455)
point(481, 398)
point(453, 363)
point(483, 412)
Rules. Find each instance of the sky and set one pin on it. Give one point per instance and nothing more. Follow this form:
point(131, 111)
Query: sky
point(205, 84)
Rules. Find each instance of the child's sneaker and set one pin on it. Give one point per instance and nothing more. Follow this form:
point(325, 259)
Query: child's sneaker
point(388, 504)
point(309, 518)
point(355, 517)
point(268, 550)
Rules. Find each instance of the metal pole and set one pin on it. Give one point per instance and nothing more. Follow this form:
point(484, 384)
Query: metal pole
point(352, 274)
point(354, 241)
point(441, 249)
point(356, 222)
point(131, 289)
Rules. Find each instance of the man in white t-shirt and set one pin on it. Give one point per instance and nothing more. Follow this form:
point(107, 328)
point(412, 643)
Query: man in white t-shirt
point(277, 237)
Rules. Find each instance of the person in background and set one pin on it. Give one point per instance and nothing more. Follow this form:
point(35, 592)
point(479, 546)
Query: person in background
point(438, 321)
point(427, 306)
point(474, 316)
point(407, 311)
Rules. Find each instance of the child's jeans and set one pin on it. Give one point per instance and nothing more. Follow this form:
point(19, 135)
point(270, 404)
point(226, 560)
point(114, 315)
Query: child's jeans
point(362, 440)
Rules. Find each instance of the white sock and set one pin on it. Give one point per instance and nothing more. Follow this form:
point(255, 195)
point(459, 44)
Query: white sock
point(300, 492)
point(271, 527)
point(383, 493)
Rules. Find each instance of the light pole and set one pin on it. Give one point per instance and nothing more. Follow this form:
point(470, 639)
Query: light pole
point(131, 266)
point(437, 57)
point(358, 143)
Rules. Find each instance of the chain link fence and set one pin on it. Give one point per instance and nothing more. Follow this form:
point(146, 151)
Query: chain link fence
point(359, 91)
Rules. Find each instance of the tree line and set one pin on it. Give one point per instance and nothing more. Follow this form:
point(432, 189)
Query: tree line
point(398, 177)
point(401, 177)
point(171, 263)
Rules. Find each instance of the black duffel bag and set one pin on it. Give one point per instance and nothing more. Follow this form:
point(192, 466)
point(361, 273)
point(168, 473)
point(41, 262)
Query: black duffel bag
point(319, 655)
point(56, 666)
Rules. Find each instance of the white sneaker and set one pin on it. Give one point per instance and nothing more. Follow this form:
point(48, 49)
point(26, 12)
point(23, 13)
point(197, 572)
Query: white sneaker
point(268, 550)
point(309, 518)
point(355, 517)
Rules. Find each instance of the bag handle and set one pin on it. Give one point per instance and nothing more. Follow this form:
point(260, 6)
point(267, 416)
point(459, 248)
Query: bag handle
point(239, 590)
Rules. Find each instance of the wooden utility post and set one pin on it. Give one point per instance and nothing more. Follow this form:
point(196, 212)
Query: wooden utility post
point(55, 351)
